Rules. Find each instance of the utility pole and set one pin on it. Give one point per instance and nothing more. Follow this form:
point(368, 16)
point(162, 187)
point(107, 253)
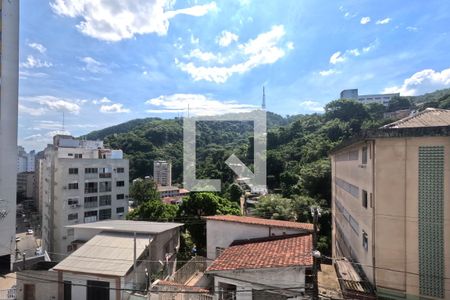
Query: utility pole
point(134, 263)
point(316, 254)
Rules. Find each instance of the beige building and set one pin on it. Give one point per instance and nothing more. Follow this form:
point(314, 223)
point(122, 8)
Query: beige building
point(391, 206)
point(80, 182)
point(162, 172)
point(9, 73)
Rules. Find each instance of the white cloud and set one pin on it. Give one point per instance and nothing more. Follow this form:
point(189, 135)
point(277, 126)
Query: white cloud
point(102, 100)
point(226, 38)
point(337, 57)
point(205, 56)
point(365, 20)
point(51, 103)
point(422, 82)
point(52, 133)
point(290, 45)
point(328, 72)
point(199, 105)
point(26, 74)
point(124, 19)
point(262, 50)
point(94, 66)
point(38, 47)
point(114, 108)
point(383, 21)
point(33, 62)
point(312, 106)
point(412, 29)
point(194, 40)
point(33, 137)
point(32, 111)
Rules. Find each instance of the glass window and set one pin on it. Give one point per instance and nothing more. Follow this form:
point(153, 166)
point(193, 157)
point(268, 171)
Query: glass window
point(120, 170)
point(120, 210)
point(120, 183)
point(73, 171)
point(120, 196)
point(364, 198)
point(90, 187)
point(364, 155)
point(72, 217)
point(78, 155)
point(90, 202)
point(105, 200)
point(365, 240)
point(73, 186)
point(91, 170)
point(105, 186)
point(104, 214)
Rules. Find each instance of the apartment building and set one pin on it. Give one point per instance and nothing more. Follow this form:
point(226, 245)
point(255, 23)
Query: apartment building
point(25, 161)
point(162, 172)
point(366, 99)
point(9, 73)
point(80, 182)
point(391, 206)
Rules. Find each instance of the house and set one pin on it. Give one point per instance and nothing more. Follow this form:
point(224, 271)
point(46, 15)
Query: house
point(222, 231)
point(115, 256)
point(390, 207)
point(272, 267)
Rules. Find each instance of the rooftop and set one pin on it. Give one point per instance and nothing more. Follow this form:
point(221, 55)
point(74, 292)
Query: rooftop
point(430, 117)
point(129, 226)
point(105, 254)
point(277, 252)
point(262, 222)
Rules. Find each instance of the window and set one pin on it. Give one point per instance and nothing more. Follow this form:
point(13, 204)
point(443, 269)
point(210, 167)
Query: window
point(70, 154)
point(365, 240)
point(120, 170)
point(91, 170)
point(73, 171)
point(72, 217)
point(364, 155)
point(120, 210)
point(97, 290)
point(120, 183)
point(73, 186)
point(92, 213)
point(219, 251)
point(105, 200)
point(120, 196)
point(364, 198)
point(90, 187)
point(104, 214)
point(105, 173)
point(78, 155)
point(105, 186)
point(90, 202)
point(72, 201)
point(68, 286)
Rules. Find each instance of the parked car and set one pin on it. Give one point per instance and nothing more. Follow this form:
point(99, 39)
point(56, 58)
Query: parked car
point(30, 231)
point(18, 239)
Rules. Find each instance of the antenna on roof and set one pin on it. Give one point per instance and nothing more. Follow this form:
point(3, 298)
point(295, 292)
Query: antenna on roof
point(263, 106)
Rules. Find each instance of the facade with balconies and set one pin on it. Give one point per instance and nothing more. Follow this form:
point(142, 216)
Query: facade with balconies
point(82, 183)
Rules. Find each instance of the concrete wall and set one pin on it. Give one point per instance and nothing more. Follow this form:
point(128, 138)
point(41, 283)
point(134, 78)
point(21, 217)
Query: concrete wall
point(393, 219)
point(45, 284)
point(222, 234)
point(354, 172)
point(79, 281)
point(8, 123)
point(260, 279)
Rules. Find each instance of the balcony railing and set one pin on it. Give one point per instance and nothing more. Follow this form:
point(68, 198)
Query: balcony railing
point(90, 190)
point(90, 219)
point(90, 204)
point(104, 175)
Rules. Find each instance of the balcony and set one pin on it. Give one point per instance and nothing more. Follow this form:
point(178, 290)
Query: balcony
point(104, 175)
point(90, 219)
point(90, 190)
point(90, 204)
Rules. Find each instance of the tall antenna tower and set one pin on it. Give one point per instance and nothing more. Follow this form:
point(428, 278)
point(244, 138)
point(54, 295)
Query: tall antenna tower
point(263, 106)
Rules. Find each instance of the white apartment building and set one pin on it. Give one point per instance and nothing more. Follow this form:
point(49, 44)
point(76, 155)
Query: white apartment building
point(9, 71)
point(162, 172)
point(80, 182)
point(25, 161)
point(366, 99)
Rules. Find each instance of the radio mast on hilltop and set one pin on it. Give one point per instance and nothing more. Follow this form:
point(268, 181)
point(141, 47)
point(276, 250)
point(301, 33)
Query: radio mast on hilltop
point(263, 106)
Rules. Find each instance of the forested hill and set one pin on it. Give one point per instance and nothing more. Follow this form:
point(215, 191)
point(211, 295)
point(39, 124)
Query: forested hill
point(297, 145)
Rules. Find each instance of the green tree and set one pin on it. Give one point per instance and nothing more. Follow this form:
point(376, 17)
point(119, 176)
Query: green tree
point(375, 110)
point(274, 206)
point(398, 103)
point(154, 210)
point(345, 110)
point(235, 193)
point(143, 190)
point(197, 205)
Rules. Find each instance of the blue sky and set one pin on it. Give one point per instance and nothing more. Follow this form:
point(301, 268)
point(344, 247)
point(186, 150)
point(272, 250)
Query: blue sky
point(103, 62)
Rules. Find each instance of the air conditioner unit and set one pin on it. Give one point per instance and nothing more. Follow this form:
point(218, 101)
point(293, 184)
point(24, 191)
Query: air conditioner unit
point(74, 205)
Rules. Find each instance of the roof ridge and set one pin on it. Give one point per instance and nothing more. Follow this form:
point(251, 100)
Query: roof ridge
point(267, 239)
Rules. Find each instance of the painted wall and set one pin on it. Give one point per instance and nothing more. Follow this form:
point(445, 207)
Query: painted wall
point(222, 234)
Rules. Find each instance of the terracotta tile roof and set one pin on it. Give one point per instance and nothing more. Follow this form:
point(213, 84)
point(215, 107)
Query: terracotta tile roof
point(430, 117)
point(279, 252)
point(263, 222)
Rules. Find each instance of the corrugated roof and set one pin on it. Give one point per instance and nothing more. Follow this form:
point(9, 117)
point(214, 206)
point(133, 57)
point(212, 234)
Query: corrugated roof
point(129, 226)
point(263, 222)
point(280, 252)
point(108, 253)
point(430, 117)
